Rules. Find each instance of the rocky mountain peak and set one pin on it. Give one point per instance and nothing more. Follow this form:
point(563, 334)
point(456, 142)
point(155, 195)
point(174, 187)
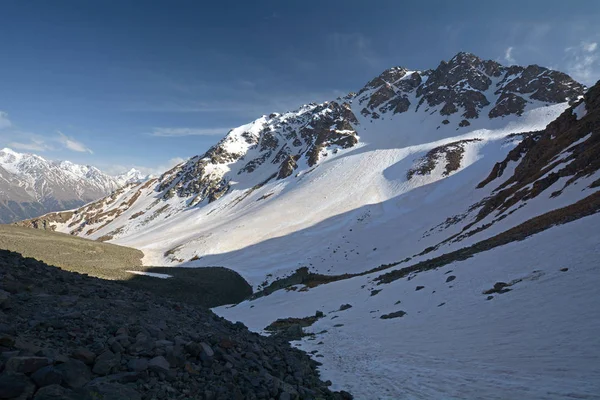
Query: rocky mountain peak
point(466, 84)
point(289, 145)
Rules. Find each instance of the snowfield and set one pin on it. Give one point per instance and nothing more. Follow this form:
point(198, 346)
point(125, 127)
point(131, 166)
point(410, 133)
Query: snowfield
point(244, 234)
point(538, 341)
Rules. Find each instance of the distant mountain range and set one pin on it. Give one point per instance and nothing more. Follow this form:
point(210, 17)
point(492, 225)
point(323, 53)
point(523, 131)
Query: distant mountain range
point(31, 185)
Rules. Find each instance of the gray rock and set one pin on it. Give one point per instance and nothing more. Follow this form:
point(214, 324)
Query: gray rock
point(193, 348)
point(137, 364)
point(6, 340)
point(285, 396)
point(12, 385)
point(396, 314)
point(112, 391)
point(26, 365)
point(345, 307)
point(48, 375)
point(121, 377)
point(4, 296)
point(85, 355)
point(158, 364)
point(117, 347)
point(54, 392)
point(105, 362)
point(75, 373)
point(206, 349)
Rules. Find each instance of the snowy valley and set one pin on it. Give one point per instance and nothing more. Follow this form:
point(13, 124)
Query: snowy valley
point(453, 211)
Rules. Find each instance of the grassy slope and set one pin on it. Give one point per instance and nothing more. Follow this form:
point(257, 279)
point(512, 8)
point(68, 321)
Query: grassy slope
point(204, 286)
point(103, 260)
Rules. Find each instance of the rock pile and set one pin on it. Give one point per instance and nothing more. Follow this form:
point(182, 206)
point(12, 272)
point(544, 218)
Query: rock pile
point(69, 336)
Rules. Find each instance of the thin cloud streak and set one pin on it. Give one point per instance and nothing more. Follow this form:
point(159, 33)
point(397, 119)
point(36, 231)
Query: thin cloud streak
point(584, 62)
point(33, 145)
point(508, 57)
point(4, 121)
point(72, 144)
point(179, 132)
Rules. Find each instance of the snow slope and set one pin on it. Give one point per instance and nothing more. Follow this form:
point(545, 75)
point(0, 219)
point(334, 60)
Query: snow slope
point(538, 341)
point(294, 180)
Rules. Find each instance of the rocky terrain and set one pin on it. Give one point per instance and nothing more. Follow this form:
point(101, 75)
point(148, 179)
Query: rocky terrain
point(65, 335)
point(31, 185)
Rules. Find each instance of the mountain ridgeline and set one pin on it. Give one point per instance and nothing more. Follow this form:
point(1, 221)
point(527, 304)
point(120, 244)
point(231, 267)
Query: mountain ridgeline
point(458, 96)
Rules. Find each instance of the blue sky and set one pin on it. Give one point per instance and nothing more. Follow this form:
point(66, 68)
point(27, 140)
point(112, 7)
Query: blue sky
point(124, 83)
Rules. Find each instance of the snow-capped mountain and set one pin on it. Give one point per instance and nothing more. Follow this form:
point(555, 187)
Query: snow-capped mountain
point(131, 176)
point(31, 185)
point(422, 185)
point(326, 159)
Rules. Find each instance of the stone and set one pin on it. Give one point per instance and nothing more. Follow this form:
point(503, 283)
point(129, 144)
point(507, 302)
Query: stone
point(54, 392)
point(116, 347)
point(419, 288)
point(285, 396)
point(26, 365)
point(344, 307)
point(4, 296)
point(112, 391)
point(12, 385)
point(121, 377)
point(396, 314)
point(105, 362)
point(206, 349)
point(158, 364)
point(137, 364)
point(85, 355)
point(450, 278)
point(75, 373)
point(6, 340)
point(48, 375)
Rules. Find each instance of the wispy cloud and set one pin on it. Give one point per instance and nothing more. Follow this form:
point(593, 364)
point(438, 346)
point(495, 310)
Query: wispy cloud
point(355, 46)
point(508, 56)
point(583, 62)
point(176, 132)
point(589, 47)
point(72, 144)
point(254, 104)
point(34, 144)
point(4, 121)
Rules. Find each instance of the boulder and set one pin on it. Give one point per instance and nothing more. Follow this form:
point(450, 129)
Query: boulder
point(158, 364)
point(105, 362)
point(48, 375)
point(75, 373)
point(26, 365)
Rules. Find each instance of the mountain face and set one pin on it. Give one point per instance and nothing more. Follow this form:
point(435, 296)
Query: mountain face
point(31, 186)
point(465, 94)
point(455, 210)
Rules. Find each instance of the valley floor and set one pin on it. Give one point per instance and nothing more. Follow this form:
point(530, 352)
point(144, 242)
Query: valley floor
point(537, 341)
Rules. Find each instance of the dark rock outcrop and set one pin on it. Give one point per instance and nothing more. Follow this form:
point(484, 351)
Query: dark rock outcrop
point(133, 345)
